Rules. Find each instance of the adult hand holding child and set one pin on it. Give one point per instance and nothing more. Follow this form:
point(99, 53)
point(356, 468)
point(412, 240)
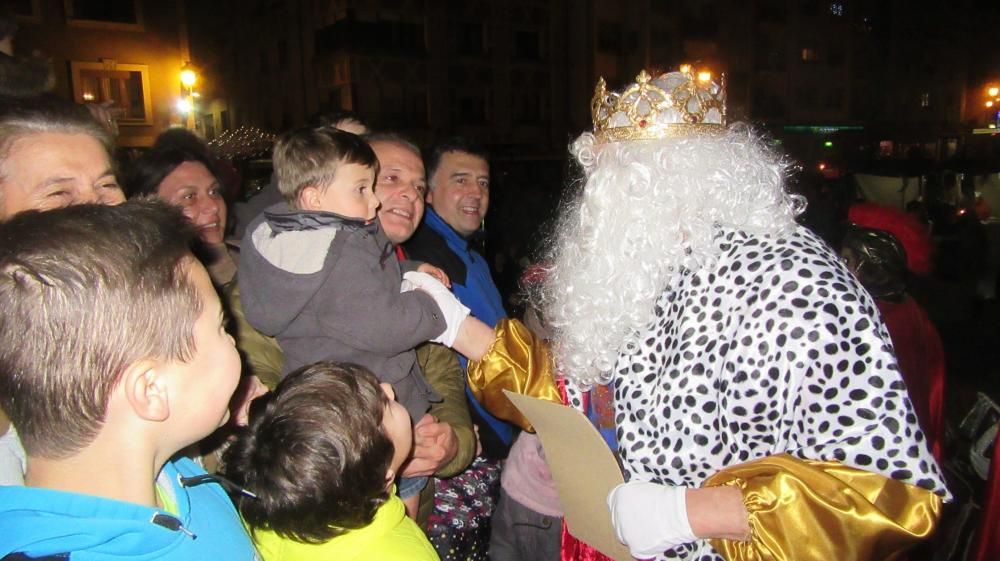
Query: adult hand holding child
point(434, 444)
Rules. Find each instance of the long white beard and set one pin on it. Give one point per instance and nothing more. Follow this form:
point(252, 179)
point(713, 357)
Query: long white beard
point(647, 210)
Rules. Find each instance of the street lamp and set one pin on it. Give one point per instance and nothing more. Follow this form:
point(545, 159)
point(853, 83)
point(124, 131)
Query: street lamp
point(185, 105)
point(188, 76)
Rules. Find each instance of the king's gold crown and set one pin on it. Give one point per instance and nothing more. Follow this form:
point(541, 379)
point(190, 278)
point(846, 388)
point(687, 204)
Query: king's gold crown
point(673, 104)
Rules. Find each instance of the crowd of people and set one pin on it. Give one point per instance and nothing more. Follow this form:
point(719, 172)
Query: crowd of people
point(352, 409)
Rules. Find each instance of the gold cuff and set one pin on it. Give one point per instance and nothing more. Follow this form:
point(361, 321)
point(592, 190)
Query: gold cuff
point(516, 361)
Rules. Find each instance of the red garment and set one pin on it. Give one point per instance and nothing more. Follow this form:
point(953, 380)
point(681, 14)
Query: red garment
point(575, 550)
point(921, 363)
point(988, 539)
point(914, 236)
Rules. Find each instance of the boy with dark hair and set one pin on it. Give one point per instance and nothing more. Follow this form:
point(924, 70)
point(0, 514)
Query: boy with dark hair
point(113, 357)
point(320, 454)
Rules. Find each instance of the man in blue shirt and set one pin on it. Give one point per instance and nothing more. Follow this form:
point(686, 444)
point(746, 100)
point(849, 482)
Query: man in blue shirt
point(459, 196)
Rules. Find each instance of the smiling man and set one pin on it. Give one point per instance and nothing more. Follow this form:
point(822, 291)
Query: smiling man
point(460, 191)
point(401, 185)
point(444, 439)
point(445, 442)
point(459, 178)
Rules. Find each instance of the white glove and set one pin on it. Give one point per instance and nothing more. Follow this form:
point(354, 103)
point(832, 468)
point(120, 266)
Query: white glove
point(650, 518)
point(454, 312)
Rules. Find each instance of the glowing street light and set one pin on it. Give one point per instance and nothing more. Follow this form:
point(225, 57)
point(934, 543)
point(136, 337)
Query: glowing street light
point(184, 105)
point(993, 91)
point(188, 76)
point(704, 76)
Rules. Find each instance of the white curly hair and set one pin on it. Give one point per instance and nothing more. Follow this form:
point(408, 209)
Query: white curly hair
point(648, 209)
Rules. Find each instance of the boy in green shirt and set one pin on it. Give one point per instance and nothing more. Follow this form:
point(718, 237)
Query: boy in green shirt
point(321, 453)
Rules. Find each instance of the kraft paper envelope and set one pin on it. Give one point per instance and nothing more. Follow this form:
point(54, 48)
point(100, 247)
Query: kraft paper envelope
point(583, 467)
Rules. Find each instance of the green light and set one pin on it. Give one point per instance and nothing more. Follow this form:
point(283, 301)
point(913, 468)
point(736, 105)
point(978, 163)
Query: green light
point(822, 129)
point(828, 144)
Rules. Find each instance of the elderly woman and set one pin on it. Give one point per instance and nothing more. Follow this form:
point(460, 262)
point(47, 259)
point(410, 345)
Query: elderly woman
point(53, 155)
point(180, 170)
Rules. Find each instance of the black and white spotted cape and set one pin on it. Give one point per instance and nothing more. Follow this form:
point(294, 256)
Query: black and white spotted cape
point(774, 349)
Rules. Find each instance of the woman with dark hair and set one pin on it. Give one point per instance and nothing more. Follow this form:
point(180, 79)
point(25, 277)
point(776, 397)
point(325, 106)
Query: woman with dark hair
point(183, 173)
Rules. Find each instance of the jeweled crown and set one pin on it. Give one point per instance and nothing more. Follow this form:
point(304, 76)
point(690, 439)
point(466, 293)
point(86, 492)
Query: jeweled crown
point(673, 104)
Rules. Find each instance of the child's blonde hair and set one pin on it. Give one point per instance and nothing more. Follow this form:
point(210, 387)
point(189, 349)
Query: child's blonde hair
point(310, 156)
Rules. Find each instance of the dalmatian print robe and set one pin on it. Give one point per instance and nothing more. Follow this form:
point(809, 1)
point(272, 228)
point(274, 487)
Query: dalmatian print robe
point(775, 349)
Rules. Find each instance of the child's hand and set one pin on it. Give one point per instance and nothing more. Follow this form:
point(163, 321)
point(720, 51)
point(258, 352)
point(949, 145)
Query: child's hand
point(436, 273)
point(453, 311)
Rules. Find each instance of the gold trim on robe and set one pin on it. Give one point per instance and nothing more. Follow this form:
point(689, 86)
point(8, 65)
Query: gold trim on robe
point(812, 511)
point(516, 361)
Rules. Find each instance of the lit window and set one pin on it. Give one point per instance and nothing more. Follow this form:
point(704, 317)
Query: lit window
point(809, 55)
point(925, 99)
point(837, 8)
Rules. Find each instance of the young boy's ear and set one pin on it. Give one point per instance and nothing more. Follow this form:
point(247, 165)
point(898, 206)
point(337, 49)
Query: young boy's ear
point(146, 390)
point(310, 198)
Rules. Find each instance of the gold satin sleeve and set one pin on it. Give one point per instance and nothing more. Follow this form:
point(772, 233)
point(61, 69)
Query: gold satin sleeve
point(516, 361)
point(805, 510)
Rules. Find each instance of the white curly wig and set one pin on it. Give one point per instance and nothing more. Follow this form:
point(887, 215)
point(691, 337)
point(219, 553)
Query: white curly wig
point(647, 209)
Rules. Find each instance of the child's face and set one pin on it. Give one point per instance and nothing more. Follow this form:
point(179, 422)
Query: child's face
point(351, 193)
point(202, 387)
point(398, 427)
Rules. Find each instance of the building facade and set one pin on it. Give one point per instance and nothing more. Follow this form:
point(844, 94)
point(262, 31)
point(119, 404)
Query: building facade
point(128, 53)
